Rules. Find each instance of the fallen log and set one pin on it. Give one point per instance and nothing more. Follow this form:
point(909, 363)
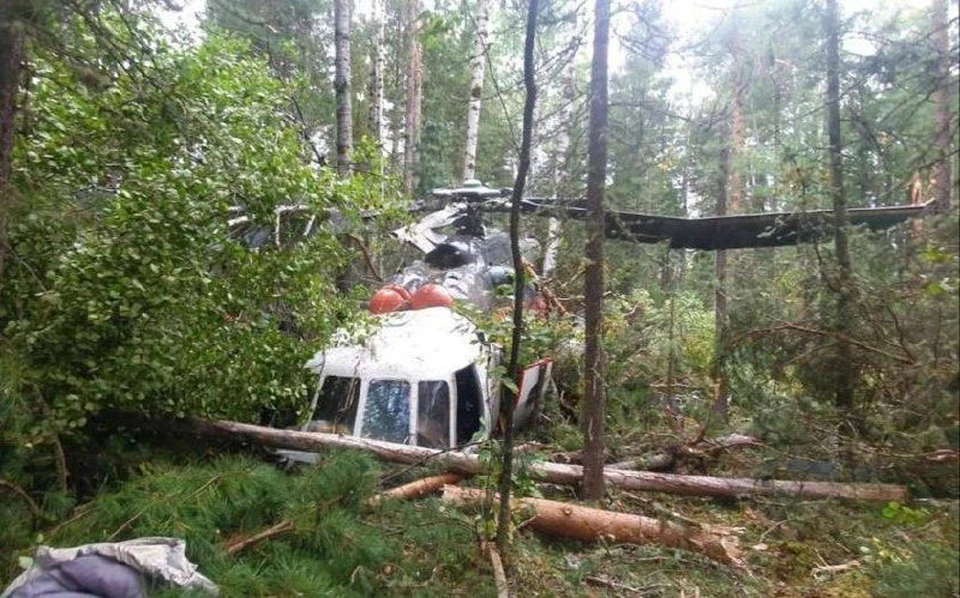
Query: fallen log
point(591, 525)
point(459, 462)
point(417, 488)
point(499, 575)
point(670, 457)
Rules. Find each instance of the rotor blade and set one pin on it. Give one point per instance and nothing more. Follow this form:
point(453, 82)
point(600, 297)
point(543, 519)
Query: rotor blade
point(771, 229)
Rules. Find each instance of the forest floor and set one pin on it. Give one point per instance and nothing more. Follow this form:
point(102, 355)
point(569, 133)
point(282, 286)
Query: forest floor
point(340, 545)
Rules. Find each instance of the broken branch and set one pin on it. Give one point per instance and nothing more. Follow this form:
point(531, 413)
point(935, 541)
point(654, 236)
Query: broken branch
point(237, 545)
point(417, 488)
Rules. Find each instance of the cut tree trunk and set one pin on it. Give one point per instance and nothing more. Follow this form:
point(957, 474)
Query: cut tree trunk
point(592, 525)
point(417, 488)
point(554, 472)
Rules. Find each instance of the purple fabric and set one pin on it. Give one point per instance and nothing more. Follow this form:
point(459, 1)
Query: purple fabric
point(90, 576)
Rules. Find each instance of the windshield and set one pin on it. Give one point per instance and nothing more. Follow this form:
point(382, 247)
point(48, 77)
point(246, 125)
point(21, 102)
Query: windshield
point(337, 405)
point(386, 415)
point(433, 414)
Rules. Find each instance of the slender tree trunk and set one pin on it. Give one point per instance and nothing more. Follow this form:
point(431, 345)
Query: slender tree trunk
point(519, 280)
point(720, 292)
point(736, 137)
point(477, 70)
point(554, 232)
point(375, 117)
point(414, 96)
point(341, 84)
point(594, 404)
point(942, 175)
point(11, 63)
point(844, 369)
point(729, 201)
point(561, 175)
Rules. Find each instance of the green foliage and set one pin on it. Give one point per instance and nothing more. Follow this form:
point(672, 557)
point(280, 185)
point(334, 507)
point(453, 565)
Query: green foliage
point(126, 292)
point(904, 515)
point(917, 569)
point(232, 498)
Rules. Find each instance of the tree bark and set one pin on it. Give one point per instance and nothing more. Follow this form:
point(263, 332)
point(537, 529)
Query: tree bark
point(844, 368)
point(11, 64)
point(594, 402)
point(519, 278)
point(561, 159)
point(667, 459)
point(942, 176)
point(375, 116)
point(478, 65)
point(414, 96)
point(417, 488)
point(585, 524)
point(720, 293)
point(341, 85)
point(554, 473)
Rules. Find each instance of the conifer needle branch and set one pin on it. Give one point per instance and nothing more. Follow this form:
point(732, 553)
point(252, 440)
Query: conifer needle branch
point(836, 336)
point(22, 494)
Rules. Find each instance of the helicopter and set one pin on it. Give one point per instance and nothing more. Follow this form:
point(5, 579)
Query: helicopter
point(425, 375)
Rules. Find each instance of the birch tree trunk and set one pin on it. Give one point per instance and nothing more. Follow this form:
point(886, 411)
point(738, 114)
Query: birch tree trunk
point(594, 401)
point(341, 85)
point(414, 96)
point(561, 176)
point(375, 116)
point(478, 65)
point(942, 175)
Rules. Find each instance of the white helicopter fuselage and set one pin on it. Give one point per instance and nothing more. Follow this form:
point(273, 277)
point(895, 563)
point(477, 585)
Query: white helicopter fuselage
point(423, 377)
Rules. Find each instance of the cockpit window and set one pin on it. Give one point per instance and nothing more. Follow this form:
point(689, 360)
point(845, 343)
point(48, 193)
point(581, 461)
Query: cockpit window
point(386, 415)
point(433, 414)
point(337, 404)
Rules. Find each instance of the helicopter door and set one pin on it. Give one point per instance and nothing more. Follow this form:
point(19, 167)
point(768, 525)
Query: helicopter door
point(533, 382)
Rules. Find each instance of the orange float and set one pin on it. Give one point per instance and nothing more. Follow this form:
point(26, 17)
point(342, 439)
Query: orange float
point(388, 299)
point(430, 295)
